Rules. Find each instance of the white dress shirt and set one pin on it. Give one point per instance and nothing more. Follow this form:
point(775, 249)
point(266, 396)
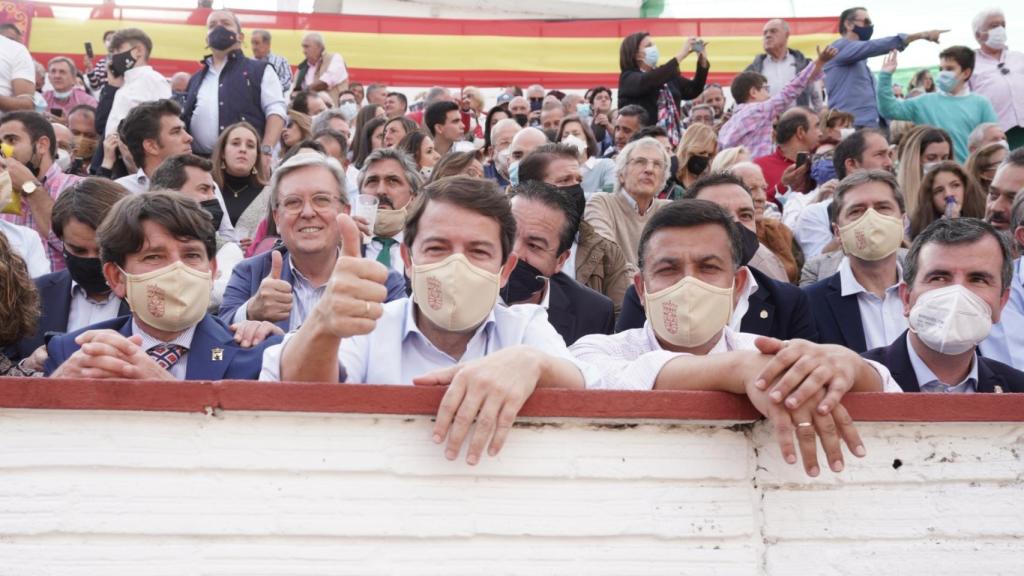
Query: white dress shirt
point(206, 125)
point(883, 319)
point(397, 351)
point(85, 312)
point(138, 183)
point(632, 360)
point(135, 183)
point(15, 64)
point(1005, 343)
point(1004, 91)
point(813, 230)
point(779, 72)
point(180, 368)
point(743, 303)
point(335, 74)
point(929, 382)
point(26, 243)
point(375, 246)
point(141, 84)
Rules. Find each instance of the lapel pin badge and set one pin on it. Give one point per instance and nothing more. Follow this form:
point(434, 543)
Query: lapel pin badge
point(217, 354)
point(998, 389)
point(764, 314)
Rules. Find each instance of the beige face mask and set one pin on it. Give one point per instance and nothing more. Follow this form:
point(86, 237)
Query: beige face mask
point(453, 293)
point(389, 222)
point(872, 236)
point(690, 312)
point(172, 298)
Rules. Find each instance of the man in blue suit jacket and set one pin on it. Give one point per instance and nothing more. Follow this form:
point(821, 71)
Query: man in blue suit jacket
point(956, 283)
point(284, 286)
point(158, 253)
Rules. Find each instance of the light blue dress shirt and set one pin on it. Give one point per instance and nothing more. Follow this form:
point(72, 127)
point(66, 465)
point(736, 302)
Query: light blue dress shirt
point(849, 81)
point(1005, 343)
point(929, 382)
point(397, 351)
point(883, 319)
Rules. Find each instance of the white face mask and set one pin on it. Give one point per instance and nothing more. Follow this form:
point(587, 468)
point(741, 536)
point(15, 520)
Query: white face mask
point(573, 140)
point(63, 159)
point(950, 320)
point(690, 312)
point(453, 293)
point(348, 110)
point(501, 161)
point(996, 38)
point(844, 132)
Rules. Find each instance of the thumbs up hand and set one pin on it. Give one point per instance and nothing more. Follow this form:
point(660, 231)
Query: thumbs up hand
point(273, 300)
point(355, 294)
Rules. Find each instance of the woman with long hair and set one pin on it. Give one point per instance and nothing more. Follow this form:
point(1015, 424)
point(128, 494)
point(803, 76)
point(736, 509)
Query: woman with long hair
point(922, 147)
point(297, 127)
point(236, 170)
point(598, 173)
point(981, 165)
point(457, 164)
point(495, 115)
point(420, 146)
point(696, 152)
point(946, 191)
point(659, 89)
point(369, 139)
point(19, 306)
point(396, 128)
point(366, 113)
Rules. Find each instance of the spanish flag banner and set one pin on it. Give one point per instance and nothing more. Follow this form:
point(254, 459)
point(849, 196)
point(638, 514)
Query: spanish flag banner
point(424, 51)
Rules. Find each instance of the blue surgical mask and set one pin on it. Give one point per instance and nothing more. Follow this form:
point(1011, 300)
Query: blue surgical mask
point(823, 170)
point(946, 81)
point(583, 110)
point(513, 173)
point(651, 55)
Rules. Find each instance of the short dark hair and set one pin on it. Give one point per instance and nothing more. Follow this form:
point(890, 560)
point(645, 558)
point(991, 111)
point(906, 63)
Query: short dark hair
point(88, 201)
point(846, 15)
point(962, 55)
point(479, 195)
point(858, 179)
point(82, 108)
point(411, 145)
point(713, 179)
point(743, 83)
point(437, 113)
point(171, 174)
point(588, 135)
point(364, 142)
point(649, 132)
point(552, 197)
point(300, 101)
point(143, 123)
point(957, 231)
point(852, 148)
point(635, 111)
point(534, 166)
point(121, 232)
point(401, 97)
point(133, 36)
point(597, 90)
point(334, 135)
point(791, 121)
point(36, 125)
point(629, 49)
point(687, 214)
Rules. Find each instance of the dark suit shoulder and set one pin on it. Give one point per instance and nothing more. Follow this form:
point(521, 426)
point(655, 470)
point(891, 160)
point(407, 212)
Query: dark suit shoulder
point(1013, 379)
point(53, 279)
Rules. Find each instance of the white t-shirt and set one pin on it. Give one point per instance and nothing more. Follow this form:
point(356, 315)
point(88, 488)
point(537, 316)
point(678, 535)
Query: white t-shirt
point(26, 243)
point(15, 64)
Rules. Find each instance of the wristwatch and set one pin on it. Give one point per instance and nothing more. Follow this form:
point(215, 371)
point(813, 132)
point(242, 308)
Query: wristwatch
point(266, 149)
point(29, 187)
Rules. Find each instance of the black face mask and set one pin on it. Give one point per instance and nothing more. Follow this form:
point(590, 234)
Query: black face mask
point(579, 199)
point(523, 283)
point(212, 206)
point(121, 63)
point(87, 273)
point(697, 165)
point(220, 38)
point(521, 119)
point(750, 243)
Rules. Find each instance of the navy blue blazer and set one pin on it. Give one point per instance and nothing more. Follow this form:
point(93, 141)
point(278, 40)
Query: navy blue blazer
point(776, 309)
point(991, 373)
point(55, 307)
point(231, 363)
point(837, 317)
point(247, 275)
point(575, 310)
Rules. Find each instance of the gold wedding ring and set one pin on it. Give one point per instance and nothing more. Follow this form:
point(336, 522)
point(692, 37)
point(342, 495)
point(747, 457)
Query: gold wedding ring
point(803, 424)
point(366, 313)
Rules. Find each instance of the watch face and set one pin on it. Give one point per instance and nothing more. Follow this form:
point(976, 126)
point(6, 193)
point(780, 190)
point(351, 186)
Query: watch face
point(29, 187)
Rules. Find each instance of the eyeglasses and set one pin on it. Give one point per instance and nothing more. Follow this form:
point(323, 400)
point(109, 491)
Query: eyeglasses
point(294, 204)
point(644, 163)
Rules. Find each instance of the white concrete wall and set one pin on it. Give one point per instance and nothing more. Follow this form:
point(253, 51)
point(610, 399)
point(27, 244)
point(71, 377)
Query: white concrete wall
point(112, 493)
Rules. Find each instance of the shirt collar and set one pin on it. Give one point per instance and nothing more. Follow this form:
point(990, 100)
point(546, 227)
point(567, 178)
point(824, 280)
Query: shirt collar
point(849, 282)
point(77, 288)
point(410, 326)
point(184, 339)
point(136, 71)
point(53, 171)
point(726, 343)
point(927, 378)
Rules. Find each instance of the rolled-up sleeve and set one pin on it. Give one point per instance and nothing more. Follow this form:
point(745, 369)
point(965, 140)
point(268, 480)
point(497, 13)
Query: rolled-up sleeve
point(272, 95)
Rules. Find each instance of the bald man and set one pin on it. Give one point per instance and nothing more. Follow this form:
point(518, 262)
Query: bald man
point(780, 64)
point(321, 71)
point(524, 142)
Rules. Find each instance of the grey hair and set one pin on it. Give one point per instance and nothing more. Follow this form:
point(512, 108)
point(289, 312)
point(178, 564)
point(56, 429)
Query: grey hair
point(627, 154)
point(435, 94)
point(315, 37)
point(302, 160)
point(956, 231)
point(978, 134)
point(66, 60)
point(865, 177)
point(1017, 212)
point(501, 124)
point(264, 34)
point(412, 174)
point(980, 18)
point(739, 166)
point(785, 25)
point(322, 120)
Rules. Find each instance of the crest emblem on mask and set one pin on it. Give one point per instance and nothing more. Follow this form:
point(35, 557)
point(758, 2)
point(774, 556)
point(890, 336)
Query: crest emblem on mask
point(435, 296)
point(155, 299)
point(668, 311)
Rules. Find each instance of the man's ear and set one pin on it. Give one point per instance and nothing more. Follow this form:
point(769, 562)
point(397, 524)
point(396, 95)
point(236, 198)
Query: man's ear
point(150, 146)
point(561, 262)
point(739, 284)
point(905, 298)
point(43, 147)
point(638, 283)
point(1018, 237)
point(406, 259)
point(508, 267)
point(115, 279)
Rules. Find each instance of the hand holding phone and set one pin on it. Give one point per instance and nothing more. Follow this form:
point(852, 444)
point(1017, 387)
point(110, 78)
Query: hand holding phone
point(801, 158)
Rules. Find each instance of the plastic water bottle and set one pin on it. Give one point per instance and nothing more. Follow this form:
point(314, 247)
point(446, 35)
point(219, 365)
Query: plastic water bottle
point(950, 207)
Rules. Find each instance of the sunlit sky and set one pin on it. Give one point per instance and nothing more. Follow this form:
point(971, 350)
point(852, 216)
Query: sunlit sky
point(890, 17)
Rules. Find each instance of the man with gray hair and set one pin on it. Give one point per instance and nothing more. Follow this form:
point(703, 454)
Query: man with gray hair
point(641, 171)
point(1006, 202)
point(999, 74)
point(321, 71)
point(984, 134)
point(64, 95)
point(502, 134)
point(259, 40)
point(780, 64)
point(283, 285)
point(390, 175)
